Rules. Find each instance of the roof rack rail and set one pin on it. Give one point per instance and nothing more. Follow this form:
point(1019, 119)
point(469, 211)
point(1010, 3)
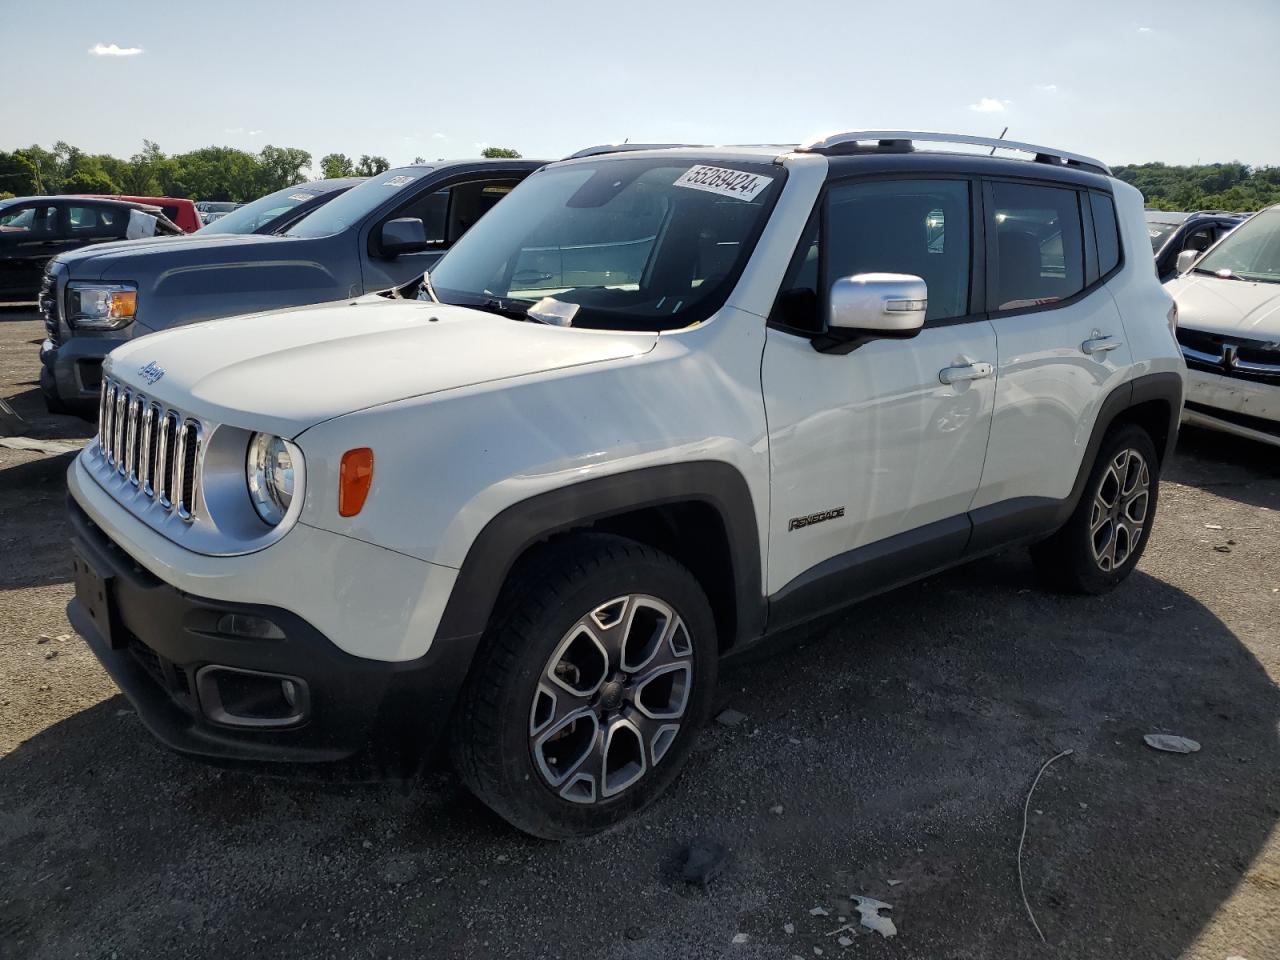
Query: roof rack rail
point(848, 142)
point(625, 148)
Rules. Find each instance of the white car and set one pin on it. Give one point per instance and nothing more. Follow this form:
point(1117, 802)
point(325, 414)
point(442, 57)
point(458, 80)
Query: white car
point(1229, 328)
point(659, 405)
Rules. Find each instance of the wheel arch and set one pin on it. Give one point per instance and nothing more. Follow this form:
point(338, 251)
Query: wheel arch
point(1152, 401)
point(701, 513)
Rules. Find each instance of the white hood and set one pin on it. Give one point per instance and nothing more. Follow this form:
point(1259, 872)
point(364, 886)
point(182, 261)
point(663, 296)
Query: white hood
point(285, 371)
point(1240, 307)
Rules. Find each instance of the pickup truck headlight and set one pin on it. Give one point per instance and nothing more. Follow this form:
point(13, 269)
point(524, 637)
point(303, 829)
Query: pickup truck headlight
point(270, 472)
point(101, 306)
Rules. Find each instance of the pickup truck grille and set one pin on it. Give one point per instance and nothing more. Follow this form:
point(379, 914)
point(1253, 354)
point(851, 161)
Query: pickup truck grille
point(1239, 357)
point(48, 300)
point(156, 448)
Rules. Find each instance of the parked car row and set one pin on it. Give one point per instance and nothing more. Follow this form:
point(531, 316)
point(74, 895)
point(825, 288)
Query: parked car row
point(211, 210)
point(655, 407)
point(303, 245)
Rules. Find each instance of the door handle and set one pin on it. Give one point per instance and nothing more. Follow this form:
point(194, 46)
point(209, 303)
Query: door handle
point(1100, 344)
point(970, 371)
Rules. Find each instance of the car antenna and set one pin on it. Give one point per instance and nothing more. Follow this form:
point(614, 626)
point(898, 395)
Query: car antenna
point(1001, 137)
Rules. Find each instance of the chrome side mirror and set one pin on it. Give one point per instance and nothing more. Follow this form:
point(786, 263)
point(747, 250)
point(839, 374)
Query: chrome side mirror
point(1187, 259)
point(871, 306)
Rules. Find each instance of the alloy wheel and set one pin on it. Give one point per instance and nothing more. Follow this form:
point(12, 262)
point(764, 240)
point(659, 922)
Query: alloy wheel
point(611, 698)
point(1119, 514)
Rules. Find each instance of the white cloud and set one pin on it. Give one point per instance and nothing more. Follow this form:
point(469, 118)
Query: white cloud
point(482, 146)
point(439, 136)
point(1047, 87)
point(989, 105)
point(1146, 30)
point(113, 50)
point(254, 133)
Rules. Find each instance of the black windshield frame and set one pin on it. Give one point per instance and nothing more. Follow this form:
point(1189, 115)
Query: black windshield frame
point(506, 239)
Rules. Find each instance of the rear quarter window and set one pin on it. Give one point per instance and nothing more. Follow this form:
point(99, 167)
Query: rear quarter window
point(1106, 232)
point(1039, 245)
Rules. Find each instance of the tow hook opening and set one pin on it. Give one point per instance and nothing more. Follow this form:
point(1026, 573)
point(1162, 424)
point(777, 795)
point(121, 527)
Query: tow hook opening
point(236, 697)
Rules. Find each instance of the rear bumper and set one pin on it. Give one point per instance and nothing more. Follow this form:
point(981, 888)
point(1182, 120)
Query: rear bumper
point(163, 647)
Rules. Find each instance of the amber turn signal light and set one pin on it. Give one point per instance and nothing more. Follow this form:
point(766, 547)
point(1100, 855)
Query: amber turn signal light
point(355, 476)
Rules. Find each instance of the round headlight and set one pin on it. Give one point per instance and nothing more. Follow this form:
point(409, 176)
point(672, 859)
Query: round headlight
point(270, 473)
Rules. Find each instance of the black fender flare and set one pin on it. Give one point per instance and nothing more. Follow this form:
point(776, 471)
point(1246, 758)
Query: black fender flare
point(1152, 386)
point(518, 527)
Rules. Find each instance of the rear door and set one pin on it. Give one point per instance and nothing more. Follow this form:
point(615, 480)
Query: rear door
point(874, 459)
point(1060, 339)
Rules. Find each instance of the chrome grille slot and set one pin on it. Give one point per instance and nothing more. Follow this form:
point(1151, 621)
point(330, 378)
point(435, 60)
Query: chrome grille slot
point(131, 438)
point(168, 443)
point(153, 448)
point(117, 440)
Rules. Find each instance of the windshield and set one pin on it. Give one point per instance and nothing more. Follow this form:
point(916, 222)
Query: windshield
point(1159, 231)
point(636, 243)
point(252, 217)
point(1251, 251)
point(355, 204)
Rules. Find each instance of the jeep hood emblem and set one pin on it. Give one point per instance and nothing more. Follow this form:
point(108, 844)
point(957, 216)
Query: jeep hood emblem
point(151, 373)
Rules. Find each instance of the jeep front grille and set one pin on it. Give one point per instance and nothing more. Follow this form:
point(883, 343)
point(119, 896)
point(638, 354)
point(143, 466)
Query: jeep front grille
point(155, 448)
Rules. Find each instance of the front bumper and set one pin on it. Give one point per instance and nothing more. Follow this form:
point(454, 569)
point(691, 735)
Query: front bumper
point(72, 370)
point(159, 643)
point(1245, 408)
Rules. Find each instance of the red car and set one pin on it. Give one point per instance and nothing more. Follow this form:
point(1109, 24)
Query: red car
point(181, 211)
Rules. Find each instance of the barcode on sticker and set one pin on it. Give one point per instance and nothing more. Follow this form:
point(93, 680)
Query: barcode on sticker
point(397, 181)
point(726, 182)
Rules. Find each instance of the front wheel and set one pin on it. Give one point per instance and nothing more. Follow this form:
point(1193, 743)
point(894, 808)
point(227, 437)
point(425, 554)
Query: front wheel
point(1108, 531)
point(588, 688)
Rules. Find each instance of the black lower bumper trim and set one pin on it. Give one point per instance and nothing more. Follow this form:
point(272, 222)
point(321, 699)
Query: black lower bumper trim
point(156, 639)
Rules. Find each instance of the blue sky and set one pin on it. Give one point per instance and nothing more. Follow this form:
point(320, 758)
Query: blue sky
point(1126, 80)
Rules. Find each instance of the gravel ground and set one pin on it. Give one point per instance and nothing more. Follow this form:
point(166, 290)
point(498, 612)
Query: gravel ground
point(899, 741)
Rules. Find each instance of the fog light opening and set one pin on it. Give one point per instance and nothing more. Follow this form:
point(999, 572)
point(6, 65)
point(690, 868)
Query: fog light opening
point(247, 698)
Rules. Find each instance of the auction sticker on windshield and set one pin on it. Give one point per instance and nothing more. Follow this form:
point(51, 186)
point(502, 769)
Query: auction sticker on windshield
point(397, 181)
point(726, 182)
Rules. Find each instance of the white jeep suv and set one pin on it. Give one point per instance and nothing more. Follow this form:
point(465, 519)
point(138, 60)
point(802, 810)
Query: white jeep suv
point(659, 405)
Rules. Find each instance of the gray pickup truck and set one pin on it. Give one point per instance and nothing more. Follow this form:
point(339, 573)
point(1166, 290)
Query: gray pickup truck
point(377, 236)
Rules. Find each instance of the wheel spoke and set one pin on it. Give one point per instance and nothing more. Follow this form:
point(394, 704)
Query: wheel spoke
point(624, 756)
point(657, 735)
point(1100, 515)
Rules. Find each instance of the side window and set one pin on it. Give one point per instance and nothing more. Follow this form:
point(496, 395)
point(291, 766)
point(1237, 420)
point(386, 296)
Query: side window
point(1106, 232)
point(1199, 240)
point(918, 227)
point(1039, 245)
point(432, 209)
point(91, 221)
point(29, 222)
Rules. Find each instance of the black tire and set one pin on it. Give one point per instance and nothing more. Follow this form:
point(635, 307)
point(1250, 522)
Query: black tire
point(494, 735)
point(1068, 560)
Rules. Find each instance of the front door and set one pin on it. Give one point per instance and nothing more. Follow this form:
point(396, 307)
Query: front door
point(872, 456)
point(30, 235)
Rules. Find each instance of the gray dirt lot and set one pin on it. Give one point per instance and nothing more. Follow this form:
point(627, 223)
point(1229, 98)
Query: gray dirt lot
point(900, 741)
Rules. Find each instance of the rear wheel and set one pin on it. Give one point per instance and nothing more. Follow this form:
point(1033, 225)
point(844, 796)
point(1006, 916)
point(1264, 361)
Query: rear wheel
point(1108, 531)
point(588, 688)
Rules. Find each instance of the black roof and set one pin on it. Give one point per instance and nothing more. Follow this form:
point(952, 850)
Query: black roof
point(937, 161)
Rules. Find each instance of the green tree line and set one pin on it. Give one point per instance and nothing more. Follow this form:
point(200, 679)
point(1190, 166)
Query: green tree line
point(1207, 186)
point(210, 173)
